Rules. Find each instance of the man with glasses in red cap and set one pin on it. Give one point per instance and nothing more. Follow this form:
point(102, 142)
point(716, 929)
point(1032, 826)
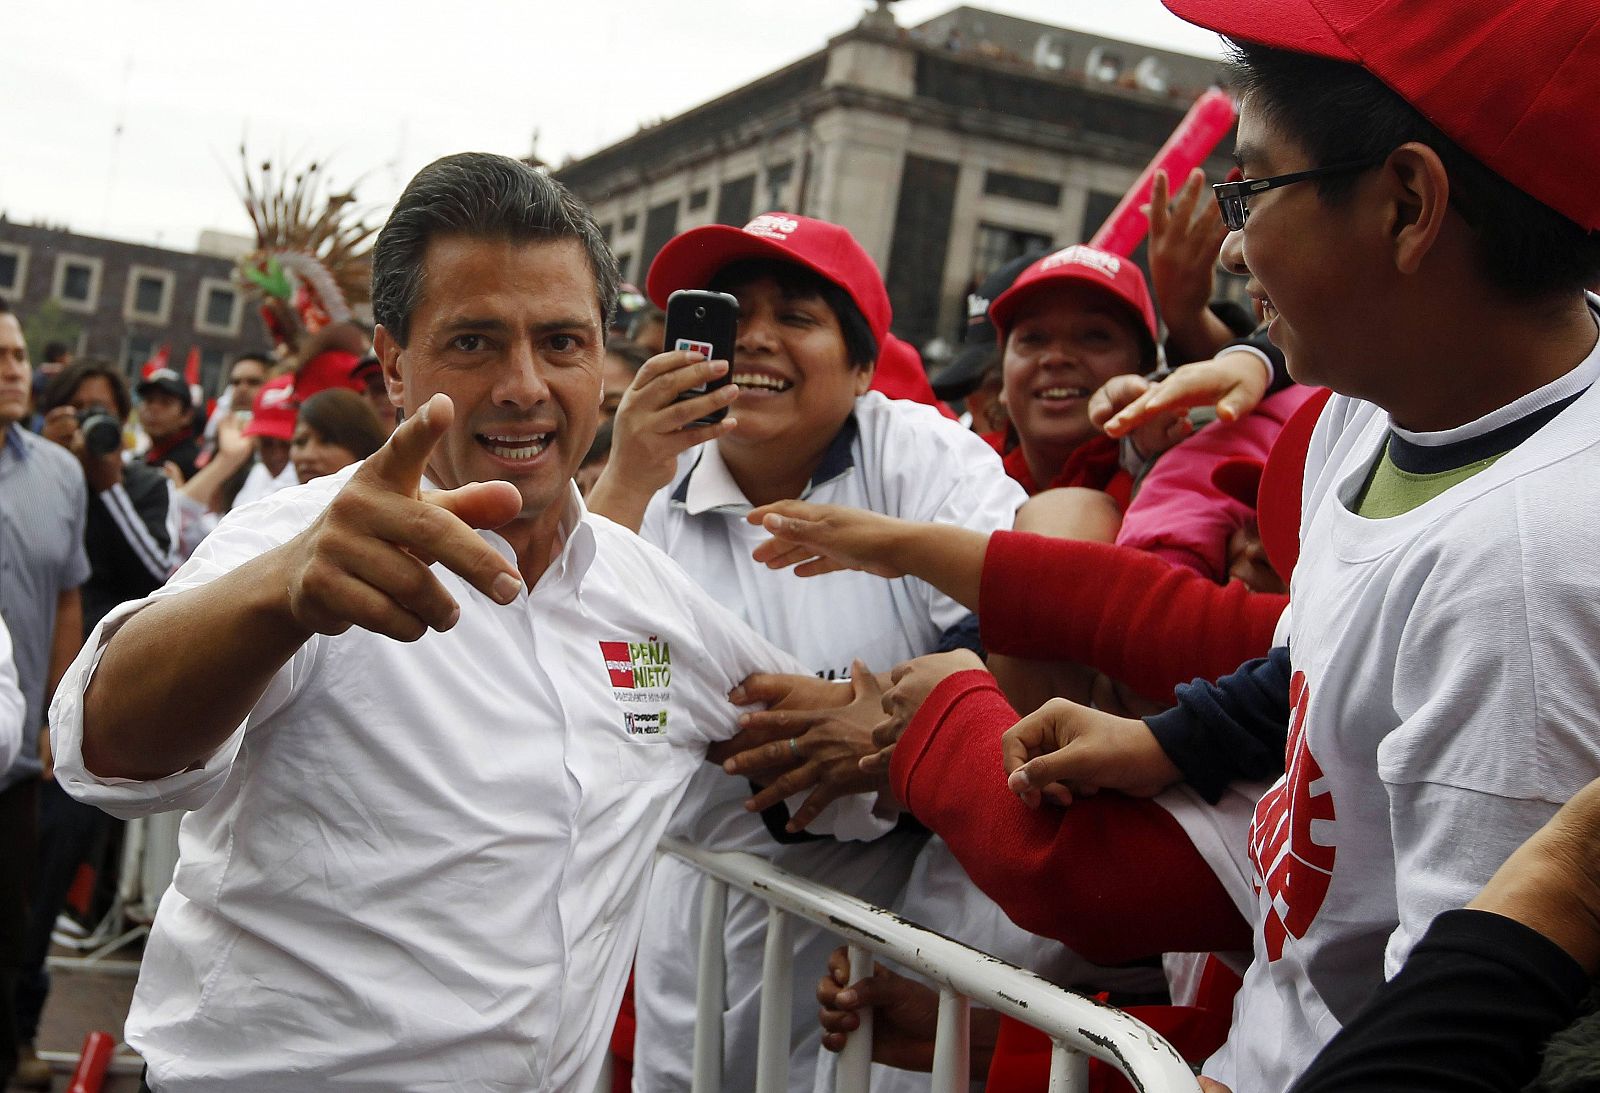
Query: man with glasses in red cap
point(1419, 224)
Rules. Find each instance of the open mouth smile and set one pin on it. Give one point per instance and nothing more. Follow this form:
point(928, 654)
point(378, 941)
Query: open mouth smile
point(514, 448)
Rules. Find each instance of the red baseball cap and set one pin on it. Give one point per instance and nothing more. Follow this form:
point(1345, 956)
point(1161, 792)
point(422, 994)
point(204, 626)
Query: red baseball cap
point(1116, 275)
point(330, 368)
point(901, 374)
point(692, 259)
point(1511, 82)
point(275, 410)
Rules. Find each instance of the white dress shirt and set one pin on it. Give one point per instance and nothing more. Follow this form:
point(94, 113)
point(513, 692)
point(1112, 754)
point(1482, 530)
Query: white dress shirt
point(12, 707)
point(422, 866)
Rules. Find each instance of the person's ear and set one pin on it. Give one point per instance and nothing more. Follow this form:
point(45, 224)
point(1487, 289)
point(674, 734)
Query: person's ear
point(1417, 199)
point(388, 351)
point(864, 374)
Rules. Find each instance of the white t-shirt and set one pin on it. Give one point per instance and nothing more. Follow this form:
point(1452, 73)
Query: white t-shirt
point(898, 458)
point(1446, 676)
point(421, 866)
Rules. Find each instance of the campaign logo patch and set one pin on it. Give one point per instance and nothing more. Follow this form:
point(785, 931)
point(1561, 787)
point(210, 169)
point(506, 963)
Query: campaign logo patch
point(638, 665)
point(773, 226)
point(1080, 255)
point(689, 345)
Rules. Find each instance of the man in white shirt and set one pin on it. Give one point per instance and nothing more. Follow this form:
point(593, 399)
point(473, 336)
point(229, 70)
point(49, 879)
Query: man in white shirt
point(427, 766)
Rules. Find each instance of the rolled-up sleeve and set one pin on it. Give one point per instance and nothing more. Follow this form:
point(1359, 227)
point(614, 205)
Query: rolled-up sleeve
point(234, 543)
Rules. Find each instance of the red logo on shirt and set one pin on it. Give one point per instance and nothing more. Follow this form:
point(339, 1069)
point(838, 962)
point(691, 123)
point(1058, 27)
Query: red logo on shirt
point(619, 662)
point(1290, 865)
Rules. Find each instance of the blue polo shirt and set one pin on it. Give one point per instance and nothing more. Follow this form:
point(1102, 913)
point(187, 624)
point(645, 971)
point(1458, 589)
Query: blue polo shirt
point(43, 505)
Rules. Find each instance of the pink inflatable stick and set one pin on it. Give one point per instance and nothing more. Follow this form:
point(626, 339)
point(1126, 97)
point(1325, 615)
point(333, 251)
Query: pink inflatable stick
point(1202, 128)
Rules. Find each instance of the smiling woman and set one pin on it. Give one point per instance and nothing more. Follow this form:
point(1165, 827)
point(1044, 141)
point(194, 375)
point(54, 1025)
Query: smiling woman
point(813, 314)
point(1070, 322)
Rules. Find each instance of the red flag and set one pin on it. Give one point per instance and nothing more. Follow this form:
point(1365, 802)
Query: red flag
point(158, 361)
point(191, 367)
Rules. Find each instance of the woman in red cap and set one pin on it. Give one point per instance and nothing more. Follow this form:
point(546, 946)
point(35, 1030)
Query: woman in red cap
point(813, 322)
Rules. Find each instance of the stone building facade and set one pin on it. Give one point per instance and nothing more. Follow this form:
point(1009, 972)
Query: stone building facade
point(947, 149)
point(126, 300)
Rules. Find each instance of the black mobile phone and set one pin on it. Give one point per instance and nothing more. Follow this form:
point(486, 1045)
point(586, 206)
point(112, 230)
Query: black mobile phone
point(706, 323)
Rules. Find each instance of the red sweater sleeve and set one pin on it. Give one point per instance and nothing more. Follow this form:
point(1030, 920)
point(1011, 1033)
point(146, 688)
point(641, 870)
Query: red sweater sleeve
point(1114, 878)
point(1133, 616)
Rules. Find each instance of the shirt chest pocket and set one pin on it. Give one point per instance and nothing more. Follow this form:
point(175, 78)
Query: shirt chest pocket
point(642, 738)
point(647, 761)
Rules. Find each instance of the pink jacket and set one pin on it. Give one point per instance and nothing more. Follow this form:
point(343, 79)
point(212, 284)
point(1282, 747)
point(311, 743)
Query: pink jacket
point(1179, 514)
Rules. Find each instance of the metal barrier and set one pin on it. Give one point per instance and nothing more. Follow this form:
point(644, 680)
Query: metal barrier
point(1077, 1026)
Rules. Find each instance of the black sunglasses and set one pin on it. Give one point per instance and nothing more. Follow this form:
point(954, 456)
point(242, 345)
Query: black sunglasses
point(1231, 195)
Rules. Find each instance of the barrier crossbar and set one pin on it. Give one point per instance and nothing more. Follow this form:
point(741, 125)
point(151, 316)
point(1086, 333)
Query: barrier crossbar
point(1078, 1027)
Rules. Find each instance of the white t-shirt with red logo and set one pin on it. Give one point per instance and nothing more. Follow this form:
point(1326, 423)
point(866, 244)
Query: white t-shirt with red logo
point(1447, 673)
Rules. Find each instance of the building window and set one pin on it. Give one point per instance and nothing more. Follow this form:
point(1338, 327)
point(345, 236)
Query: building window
point(778, 176)
point(135, 351)
point(734, 200)
point(77, 285)
point(625, 266)
point(698, 199)
point(1021, 188)
point(606, 231)
point(219, 307)
point(149, 295)
point(998, 245)
point(13, 270)
point(211, 365)
point(629, 222)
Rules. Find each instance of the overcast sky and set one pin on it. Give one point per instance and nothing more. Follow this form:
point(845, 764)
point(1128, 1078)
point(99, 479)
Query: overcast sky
point(124, 118)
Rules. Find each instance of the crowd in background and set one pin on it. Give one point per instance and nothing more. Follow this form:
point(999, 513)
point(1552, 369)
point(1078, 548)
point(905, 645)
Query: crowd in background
point(1177, 673)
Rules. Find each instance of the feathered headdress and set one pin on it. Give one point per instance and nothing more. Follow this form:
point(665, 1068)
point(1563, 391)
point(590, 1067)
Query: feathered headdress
point(313, 259)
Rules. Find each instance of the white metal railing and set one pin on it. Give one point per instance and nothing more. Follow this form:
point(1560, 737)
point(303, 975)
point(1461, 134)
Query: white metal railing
point(1077, 1026)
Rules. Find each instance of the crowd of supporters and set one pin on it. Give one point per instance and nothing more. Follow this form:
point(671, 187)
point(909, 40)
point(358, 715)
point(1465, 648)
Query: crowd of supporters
point(1238, 669)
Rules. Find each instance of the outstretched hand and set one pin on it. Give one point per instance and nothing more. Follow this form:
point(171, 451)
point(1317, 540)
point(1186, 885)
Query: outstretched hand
point(364, 560)
point(1234, 382)
point(1062, 750)
point(817, 539)
point(1186, 235)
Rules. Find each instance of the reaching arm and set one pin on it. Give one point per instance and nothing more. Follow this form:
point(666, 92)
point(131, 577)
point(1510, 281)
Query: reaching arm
point(356, 565)
point(818, 539)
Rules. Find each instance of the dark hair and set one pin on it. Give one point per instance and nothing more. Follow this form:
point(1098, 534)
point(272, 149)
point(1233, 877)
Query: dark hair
point(797, 281)
point(480, 196)
point(65, 383)
point(260, 356)
point(340, 416)
point(54, 351)
point(632, 353)
point(651, 314)
point(1340, 113)
point(600, 447)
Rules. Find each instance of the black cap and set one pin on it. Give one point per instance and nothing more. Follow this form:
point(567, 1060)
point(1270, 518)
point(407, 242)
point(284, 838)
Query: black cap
point(168, 382)
point(964, 373)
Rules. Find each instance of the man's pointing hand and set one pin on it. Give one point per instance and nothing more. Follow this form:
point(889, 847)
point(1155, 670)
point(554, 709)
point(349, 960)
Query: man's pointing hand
point(364, 561)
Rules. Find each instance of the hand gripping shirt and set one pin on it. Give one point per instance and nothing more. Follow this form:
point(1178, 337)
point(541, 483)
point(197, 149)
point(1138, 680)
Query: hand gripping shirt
point(1446, 673)
point(422, 866)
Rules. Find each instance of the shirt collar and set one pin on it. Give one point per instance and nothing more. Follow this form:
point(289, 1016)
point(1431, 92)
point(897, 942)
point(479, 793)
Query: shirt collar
point(575, 541)
point(709, 484)
point(14, 442)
